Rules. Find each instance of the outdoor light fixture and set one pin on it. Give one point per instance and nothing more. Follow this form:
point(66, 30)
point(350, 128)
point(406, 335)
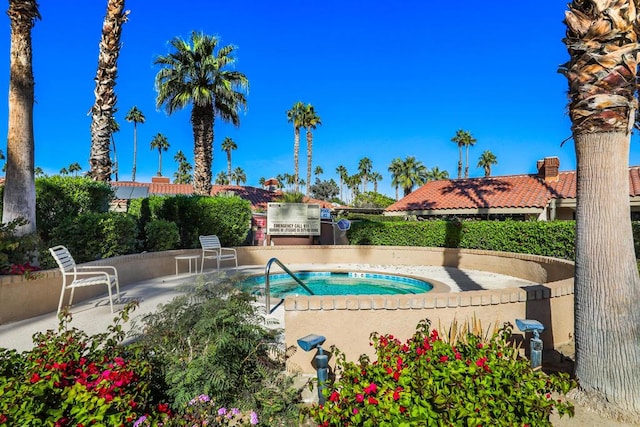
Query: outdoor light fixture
point(530, 325)
point(309, 343)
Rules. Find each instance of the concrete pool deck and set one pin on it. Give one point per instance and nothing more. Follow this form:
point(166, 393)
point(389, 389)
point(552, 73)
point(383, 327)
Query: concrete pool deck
point(93, 315)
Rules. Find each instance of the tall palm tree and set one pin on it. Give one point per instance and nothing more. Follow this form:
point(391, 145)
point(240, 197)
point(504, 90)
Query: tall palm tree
point(183, 175)
point(317, 171)
point(487, 158)
point(134, 115)
point(200, 73)
point(222, 178)
point(364, 168)
point(435, 174)
point(238, 176)
point(296, 116)
point(262, 181)
point(106, 99)
point(395, 169)
point(113, 128)
point(228, 145)
point(160, 143)
point(602, 41)
point(74, 168)
point(19, 200)
point(310, 121)
point(375, 177)
point(464, 139)
point(342, 174)
point(411, 173)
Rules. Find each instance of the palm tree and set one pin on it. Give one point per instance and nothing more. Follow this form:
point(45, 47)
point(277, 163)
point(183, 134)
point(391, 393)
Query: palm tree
point(19, 200)
point(411, 173)
point(113, 128)
point(317, 171)
point(395, 169)
point(310, 120)
point(342, 174)
point(106, 99)
point(364, 167)
point(183, 175)
point(602, 42)
point(375, 177)
point(200, 73)
point(238, 176)
point(222, 178)
point(64, 172)
point(464, 139)
point(38, 171)
point(134, 115)
point(161, 143)
point(74, 168)
point(262, 181)
point(487, 158)
point(228, 145)
point(435, 174)
point(296, 116)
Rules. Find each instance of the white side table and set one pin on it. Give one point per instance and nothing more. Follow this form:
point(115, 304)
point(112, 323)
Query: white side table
point(188, 258)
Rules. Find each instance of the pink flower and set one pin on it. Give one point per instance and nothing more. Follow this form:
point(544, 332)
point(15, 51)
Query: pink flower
point(355, 411)
point(359, 397)
point(371, 388)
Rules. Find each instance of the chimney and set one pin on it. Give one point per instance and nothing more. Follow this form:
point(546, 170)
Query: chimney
point(548, 169)
point(160, 179)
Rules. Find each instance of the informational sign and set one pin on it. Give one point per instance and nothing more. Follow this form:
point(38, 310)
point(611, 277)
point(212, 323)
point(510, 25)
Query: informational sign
point(293, 219)
point(325, 213)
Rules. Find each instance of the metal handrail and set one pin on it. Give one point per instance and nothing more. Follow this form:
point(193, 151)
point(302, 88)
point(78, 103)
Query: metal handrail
point(267, 291)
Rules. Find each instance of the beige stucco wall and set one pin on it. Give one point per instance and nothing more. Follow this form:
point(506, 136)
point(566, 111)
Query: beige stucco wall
point(347, 321)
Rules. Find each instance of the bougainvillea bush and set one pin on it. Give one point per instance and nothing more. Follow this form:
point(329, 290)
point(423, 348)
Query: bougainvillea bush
point(426, 381)
point(72, 379)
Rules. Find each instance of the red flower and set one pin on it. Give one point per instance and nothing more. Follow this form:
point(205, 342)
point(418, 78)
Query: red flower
point(396, 395)
point(34, 378)
point(373, 401)
point(434, 335)
point(480, 345)
point(403, 409)
point(458, 356)
point(371, 388)
point(396, 375)
point(481, 362)
point(444, 358)
point(163, 407)
point(420, 351)
point(335, 396)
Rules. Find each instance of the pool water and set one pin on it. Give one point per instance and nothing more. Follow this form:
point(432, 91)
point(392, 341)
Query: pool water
point(334, 283)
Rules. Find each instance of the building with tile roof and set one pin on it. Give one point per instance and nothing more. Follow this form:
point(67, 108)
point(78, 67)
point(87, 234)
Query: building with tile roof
point(161, 186)
point(550, 194)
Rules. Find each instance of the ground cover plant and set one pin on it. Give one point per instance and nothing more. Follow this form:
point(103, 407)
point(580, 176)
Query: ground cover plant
point(213, 341)
point(426, 381)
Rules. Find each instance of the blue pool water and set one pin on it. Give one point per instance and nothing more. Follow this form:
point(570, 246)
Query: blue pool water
point(334, 283)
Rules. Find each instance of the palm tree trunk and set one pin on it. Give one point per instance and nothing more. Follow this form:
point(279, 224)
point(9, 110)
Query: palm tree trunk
point(202, 123)
point(466, 166)
point(115, 157)
point(106, 99)
point(135, 151)
point(160, 161)
point(296, 152)
point(19, 198)
point(607, 286)
point(460, 162)
point(309, 154)
point(229, 165)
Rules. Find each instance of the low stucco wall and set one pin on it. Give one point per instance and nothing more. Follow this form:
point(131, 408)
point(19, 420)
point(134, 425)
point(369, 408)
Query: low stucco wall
point(347, 321)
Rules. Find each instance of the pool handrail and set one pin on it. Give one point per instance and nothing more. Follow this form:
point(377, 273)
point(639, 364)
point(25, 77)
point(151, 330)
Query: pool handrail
point(267, 291)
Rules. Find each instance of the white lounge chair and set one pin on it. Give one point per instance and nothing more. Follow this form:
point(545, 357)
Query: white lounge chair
point(91, 275)
point(211, 249)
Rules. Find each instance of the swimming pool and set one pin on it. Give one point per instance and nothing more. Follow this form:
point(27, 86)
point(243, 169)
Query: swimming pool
point(338, 283)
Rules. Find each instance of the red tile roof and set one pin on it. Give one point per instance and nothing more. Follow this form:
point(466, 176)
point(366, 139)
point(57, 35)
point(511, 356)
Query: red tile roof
point(515, 191)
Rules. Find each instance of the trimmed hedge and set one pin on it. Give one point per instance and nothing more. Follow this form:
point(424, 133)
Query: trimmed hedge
point(553, 238)
point(228, 217)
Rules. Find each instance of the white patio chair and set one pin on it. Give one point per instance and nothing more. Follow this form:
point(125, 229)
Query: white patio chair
point(74, 276)
point(211, 249)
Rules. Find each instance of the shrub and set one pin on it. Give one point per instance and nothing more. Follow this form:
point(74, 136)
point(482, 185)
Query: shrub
point(161, 235)
point(60, 198)
point(72, 379)
point(228, 217)
point(371, 199)
point(213, 341)
point(553, 238)
point(93, 236)
point(428, 382)
point(16, 252)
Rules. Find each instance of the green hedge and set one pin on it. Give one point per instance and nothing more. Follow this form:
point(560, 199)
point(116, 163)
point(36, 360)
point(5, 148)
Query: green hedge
point(228, 217)
point(554, 238)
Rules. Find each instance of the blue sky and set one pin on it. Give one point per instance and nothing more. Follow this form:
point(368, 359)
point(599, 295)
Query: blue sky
point(389, 79)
